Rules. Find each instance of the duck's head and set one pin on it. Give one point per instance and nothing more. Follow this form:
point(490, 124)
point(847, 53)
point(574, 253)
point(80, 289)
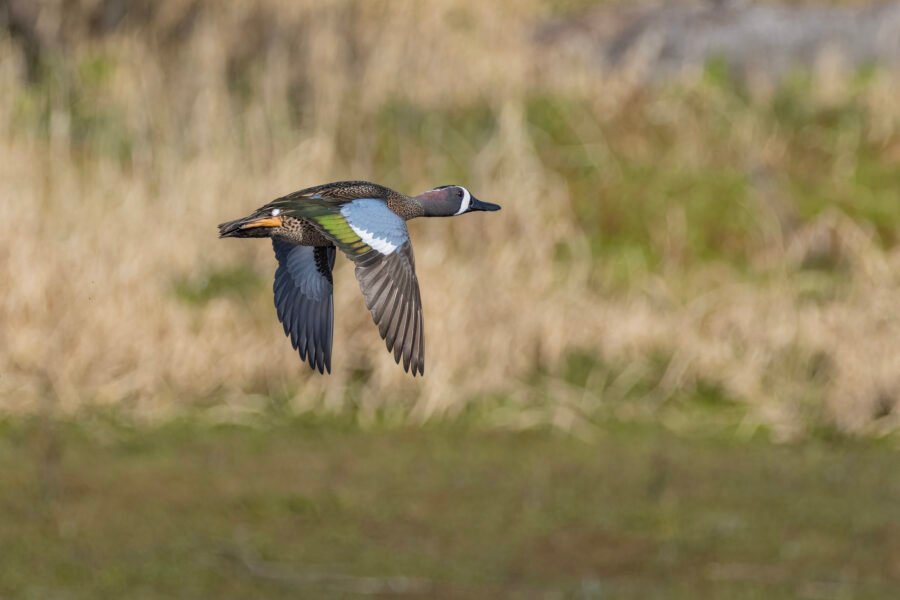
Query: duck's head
point(265, 222)
point(452, 200)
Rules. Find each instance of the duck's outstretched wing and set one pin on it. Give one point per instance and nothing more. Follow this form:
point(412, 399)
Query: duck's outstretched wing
point(304, 299)
point(377, 241)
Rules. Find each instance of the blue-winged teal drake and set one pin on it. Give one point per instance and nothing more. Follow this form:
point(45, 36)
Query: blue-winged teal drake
point(367, 222)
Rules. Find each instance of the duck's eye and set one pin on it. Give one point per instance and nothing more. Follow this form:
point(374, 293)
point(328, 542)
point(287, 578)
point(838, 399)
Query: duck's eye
point(276, 212)
point(459, 193)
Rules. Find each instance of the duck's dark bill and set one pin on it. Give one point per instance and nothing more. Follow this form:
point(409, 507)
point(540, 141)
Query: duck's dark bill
point(248, 227)
point(479, 205)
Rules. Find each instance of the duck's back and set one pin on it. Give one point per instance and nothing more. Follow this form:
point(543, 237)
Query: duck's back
point(305, 233)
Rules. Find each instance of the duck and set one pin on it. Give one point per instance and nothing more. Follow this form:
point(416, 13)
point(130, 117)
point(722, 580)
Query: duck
point(367, 223)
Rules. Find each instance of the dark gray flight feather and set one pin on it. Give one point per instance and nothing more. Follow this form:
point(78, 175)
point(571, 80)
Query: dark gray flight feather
point(304, 299)
point(391, 290)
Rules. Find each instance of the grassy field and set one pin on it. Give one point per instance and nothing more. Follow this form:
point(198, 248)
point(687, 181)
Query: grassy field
point(303, 508)
point(706, 238)
point(682, 274)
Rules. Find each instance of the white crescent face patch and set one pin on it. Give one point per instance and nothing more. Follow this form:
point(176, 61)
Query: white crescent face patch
point(466, 200)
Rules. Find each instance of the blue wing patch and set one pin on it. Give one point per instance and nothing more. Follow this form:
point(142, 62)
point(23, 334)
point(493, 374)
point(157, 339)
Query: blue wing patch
point(376, 224)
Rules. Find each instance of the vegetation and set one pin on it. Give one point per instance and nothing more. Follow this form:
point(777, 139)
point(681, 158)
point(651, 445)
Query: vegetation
point(681, 273)
point(321, 509)
point(701, 238)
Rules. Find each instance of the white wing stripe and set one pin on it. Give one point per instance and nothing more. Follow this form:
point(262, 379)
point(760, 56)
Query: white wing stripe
point(382, 245)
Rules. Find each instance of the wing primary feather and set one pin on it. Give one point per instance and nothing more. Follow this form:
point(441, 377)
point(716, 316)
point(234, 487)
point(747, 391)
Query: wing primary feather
point(290, 318)
point(303, 321)
point(413, 341)
point(329, 334)
point(380, 297)
point(320, 338)
point(393, 318)
point(419, 344)
point(408, 336)
point(400, 331)
point(404, 333)
point(322, 341)
point(382, 304)
point(383, 315)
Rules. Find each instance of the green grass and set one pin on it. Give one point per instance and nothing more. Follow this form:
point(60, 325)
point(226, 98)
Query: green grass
point(299, 509)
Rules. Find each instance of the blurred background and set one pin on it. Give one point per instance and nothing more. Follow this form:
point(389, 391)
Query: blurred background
point(670, 366)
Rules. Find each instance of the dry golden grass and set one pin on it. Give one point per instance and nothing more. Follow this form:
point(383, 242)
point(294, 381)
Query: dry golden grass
point(112, 200)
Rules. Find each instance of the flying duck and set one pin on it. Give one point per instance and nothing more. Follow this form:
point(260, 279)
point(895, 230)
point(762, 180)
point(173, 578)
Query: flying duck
point(367, 222)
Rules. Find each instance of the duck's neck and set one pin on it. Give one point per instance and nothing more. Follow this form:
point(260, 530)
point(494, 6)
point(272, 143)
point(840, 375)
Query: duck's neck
point(436, 203)
point(406, 207)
